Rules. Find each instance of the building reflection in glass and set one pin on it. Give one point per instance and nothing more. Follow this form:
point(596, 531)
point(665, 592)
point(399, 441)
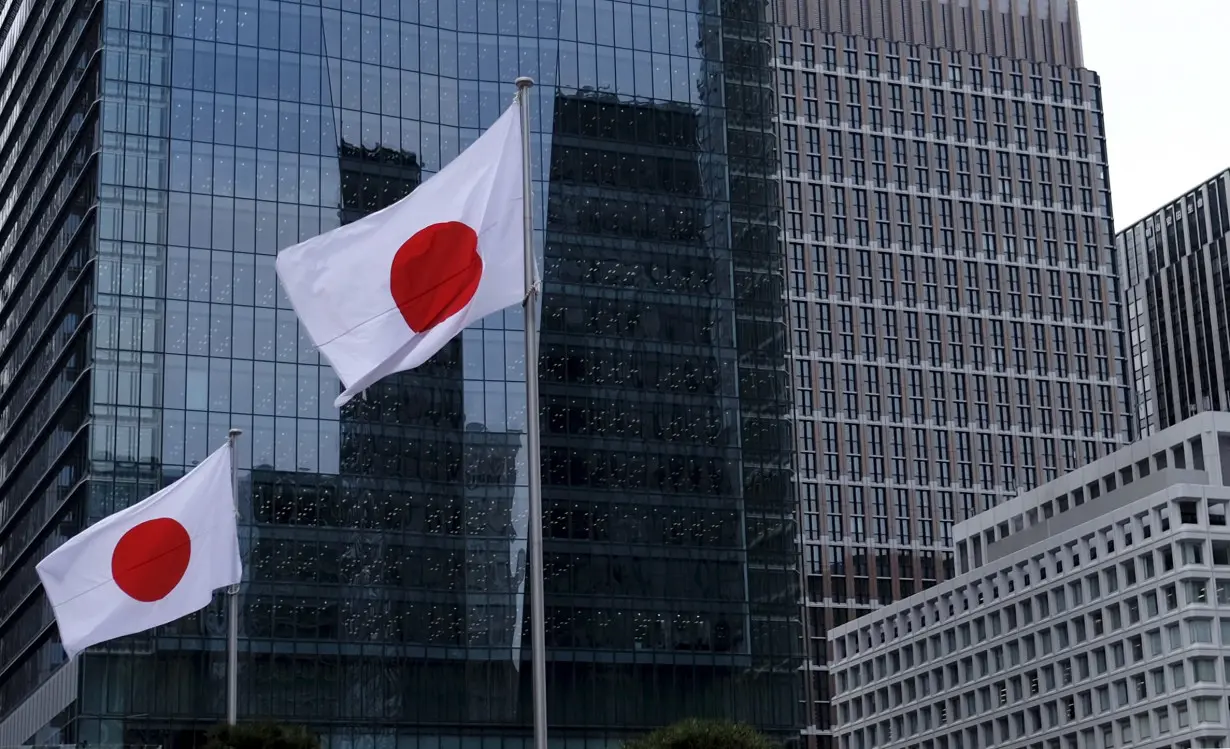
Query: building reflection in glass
point(385, 542)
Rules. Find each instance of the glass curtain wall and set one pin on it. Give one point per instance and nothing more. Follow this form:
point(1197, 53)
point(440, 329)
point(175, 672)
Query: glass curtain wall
point(385, 542)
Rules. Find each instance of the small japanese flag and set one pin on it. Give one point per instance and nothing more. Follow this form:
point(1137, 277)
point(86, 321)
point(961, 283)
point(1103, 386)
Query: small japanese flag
point(150, 564)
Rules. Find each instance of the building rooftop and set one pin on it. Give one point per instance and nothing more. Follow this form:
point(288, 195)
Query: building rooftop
point(1134, 471)
point(1091, 620)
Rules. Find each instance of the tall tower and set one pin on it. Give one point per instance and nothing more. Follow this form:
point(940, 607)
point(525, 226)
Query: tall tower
point(955, 311)
point(161, 152)
point(1177, 275)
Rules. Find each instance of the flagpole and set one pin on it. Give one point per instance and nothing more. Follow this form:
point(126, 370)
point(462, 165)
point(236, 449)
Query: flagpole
point(538, 629)
point(232, 604)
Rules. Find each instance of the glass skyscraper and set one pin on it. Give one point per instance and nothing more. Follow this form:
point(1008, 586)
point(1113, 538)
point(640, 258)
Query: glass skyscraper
point(1177, 267)
point(957, 326)
point(160, 152)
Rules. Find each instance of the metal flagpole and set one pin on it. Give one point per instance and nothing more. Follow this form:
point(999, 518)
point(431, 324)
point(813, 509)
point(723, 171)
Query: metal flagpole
point(538, 629)
point(232, 604)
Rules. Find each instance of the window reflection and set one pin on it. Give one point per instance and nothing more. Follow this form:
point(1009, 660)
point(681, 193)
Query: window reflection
point(399, 523)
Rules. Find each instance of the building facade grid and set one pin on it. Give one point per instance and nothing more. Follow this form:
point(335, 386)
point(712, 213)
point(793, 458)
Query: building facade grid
point(1097, 618)
point(954, 304)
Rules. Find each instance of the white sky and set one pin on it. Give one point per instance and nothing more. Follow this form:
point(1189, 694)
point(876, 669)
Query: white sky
point(1165, 67)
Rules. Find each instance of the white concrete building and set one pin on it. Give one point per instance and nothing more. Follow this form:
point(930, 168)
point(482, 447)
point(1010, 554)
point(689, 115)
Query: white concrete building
point(1090, 613)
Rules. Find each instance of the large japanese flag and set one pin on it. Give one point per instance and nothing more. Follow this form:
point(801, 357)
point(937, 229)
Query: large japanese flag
point(385, 293)
point(150, 564)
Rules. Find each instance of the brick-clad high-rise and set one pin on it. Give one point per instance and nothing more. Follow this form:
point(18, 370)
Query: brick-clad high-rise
point(956, 320)
point(1046, 31)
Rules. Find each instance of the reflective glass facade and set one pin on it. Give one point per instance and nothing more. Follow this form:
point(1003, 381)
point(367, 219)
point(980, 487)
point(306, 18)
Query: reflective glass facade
point(1177, 267)
point(385, 542)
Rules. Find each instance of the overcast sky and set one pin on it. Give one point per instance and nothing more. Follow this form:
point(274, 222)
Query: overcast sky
point(1165, 67)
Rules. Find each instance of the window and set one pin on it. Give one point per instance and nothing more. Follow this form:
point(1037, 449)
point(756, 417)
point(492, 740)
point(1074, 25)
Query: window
point(1178, 676)
point(1103, 699)
point(1208, 710)
point(1171, 597)
point(1204, 671)
point(1155, 642)
point(1151, 604)
point(1200, 630)
point(1180, 715)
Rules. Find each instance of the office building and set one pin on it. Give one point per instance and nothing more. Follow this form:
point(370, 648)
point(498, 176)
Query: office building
point(1090, 612)
point(160, 153)
point(955, 310)
point(1176, 278)
point(1045, 31)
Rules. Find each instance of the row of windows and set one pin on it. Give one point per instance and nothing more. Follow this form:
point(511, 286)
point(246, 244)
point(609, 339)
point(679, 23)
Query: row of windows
point(847, 97)
point(1106, 542)
point(1186, 225)
point(1046, 137)
point(863, 594)
point(1090, 627)
point(826, 343)
point(1121, 694)
point(919, 127)
point(836, 497)
point(1100, 664)
point(943, 66)
point(405, 34)
point(1143, 726)
point(858, 91)
point(903, 329)
point(911, 218)
point(949, 396)
point(901, 210)
point(857, 560)
point(1015, 461)
point(1177, 455)
point(988, 244)
point(959, 330)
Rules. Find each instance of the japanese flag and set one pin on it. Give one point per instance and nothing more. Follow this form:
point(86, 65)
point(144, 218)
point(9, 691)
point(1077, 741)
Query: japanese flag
point(385, 293)
point(150, 564)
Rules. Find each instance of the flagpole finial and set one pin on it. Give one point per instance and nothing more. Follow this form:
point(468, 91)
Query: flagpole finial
point(524, 82)
point(234, 433)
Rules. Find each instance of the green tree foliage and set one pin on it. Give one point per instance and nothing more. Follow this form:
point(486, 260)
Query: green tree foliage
point(702, 734)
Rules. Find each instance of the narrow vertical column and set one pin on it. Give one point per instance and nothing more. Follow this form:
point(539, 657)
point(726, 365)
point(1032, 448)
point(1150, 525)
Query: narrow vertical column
point(232, 605)
point(538, 629)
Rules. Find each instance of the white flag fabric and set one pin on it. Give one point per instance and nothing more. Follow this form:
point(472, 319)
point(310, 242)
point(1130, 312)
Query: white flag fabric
point(150, 564)
point(385, 293)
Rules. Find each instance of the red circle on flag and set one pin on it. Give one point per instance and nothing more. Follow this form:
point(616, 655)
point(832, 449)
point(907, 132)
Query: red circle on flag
point(435, 274)
point(151, 558)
